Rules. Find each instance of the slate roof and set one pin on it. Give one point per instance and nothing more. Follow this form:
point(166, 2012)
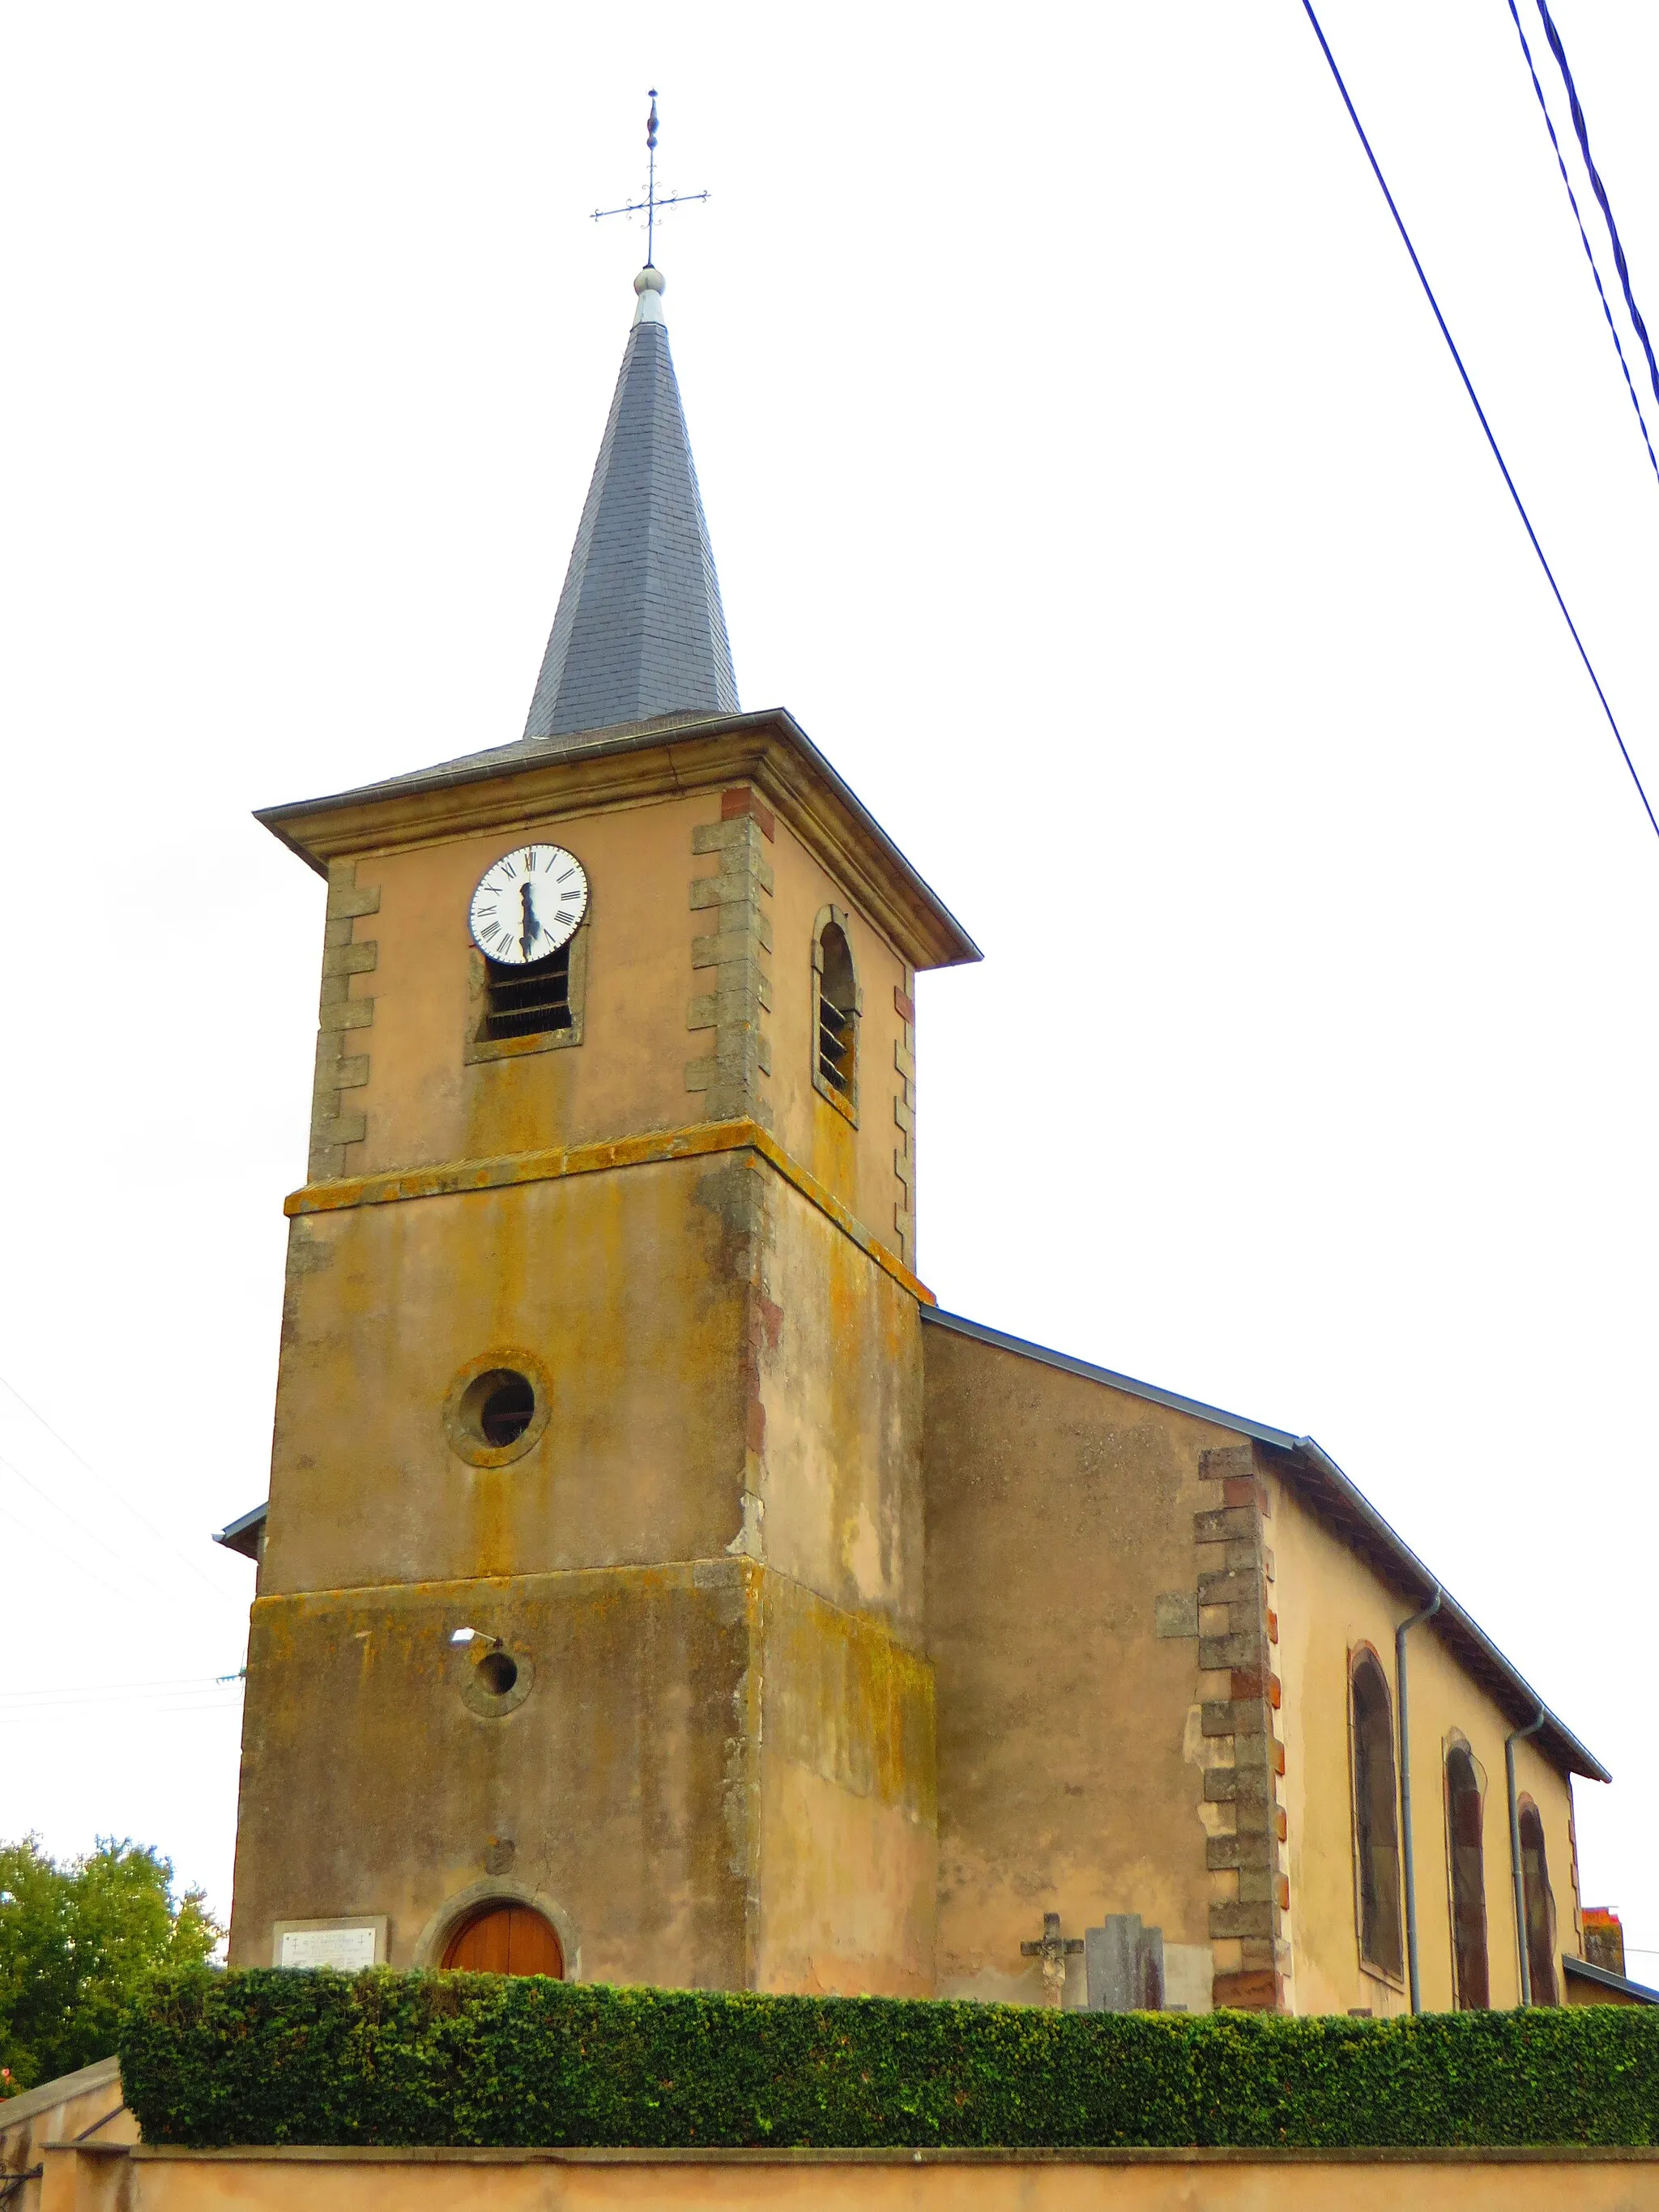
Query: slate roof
point(1318, 1480)
point(1582, 1971)
point(639, 629)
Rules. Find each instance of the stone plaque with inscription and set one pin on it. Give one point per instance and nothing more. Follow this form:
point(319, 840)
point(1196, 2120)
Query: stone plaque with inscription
point(347, 1948)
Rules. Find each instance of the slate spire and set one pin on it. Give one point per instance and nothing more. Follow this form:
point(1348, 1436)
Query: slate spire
point(640, 628)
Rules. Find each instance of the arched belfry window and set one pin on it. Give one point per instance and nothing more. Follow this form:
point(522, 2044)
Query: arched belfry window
point(836, 1005)
point(1375, 1823)
point(1464, 1825)
point(1539, 1906)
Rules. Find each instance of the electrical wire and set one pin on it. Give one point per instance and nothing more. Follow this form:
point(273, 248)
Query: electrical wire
point(71, 1559)
point(136, 1580)
point(1520, 507)
point(186, 1695)
point(1590, 256)
point(98, 1693)
point(136, 1577)
point(1599, 189)
point(125, 1502)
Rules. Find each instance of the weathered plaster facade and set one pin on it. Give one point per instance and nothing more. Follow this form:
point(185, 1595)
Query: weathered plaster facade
point(84, 2178)
point(823, 1641)
point(704, 1556)
point(849, 1639)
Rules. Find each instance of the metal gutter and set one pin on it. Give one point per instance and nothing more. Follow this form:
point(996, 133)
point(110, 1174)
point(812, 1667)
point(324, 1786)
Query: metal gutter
point(1517, 1869)
point(1316, 1477)
point(1407, 1833)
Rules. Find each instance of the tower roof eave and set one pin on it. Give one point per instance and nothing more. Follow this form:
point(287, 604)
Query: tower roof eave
point(668, 754)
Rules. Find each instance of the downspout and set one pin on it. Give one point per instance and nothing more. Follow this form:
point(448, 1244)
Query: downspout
point(1514, 1736)
point(1399, 1636)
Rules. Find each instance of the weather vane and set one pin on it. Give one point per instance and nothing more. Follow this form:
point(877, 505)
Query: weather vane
point(647, 207)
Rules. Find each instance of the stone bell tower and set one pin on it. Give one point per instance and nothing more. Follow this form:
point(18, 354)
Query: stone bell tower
point(601, 1335)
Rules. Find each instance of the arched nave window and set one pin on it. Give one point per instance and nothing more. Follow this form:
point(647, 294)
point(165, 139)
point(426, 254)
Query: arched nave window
point(1465, 1816)
point(1375, 1823)
point(1539, 1906)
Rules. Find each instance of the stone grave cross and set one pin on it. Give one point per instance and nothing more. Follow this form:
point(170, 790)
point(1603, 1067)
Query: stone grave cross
point(1054, 1950)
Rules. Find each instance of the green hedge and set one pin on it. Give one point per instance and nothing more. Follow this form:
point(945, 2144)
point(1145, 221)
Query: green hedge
point(382, 2058)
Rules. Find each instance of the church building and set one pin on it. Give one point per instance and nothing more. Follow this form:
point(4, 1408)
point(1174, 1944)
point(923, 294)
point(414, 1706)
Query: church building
point(656, 1585)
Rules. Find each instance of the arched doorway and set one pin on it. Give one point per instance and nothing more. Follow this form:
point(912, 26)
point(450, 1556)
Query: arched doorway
point(505, 1938)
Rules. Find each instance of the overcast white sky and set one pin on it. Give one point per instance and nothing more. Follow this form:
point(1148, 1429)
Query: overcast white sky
point(1086, 474)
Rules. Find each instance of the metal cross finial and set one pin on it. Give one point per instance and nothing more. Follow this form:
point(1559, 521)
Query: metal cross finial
point(647, 207)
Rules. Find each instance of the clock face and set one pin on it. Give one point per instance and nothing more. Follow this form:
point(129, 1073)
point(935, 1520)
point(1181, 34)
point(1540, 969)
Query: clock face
point(529, 905)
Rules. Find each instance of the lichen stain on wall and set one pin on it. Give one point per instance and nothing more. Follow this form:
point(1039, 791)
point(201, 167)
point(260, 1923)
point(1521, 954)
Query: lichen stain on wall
point(615, 1282)
point(843, 1414)
point(849, 1801)
point(631, 1667)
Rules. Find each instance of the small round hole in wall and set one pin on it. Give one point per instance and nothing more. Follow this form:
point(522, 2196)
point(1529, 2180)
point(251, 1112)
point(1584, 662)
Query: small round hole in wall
point(498, 1684)
point(497, 1407)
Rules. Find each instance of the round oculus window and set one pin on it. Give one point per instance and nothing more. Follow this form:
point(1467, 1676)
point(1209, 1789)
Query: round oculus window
point(498, 1406)
point(496, 1409)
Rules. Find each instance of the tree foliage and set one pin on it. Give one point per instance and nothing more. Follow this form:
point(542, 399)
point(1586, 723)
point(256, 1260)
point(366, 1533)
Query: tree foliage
point(77, 1940)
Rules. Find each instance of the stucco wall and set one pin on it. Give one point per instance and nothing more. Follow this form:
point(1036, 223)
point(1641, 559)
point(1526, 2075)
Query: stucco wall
point(1069, 1733)
point(735, 1384)
point(848, 1859)
point(702, 1331)
point(716, 1780)
point(856, 1163)
point(425, 1103)
point(422, 1102)
point(839, 1413)
point(1057, 1511)
point(1329, 1602)
point(878, 2181)
point(370, 1785)
point(623, 1287)
point(86, 2104)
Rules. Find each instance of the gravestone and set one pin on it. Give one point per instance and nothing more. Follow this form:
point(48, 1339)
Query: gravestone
point(1123, 1966)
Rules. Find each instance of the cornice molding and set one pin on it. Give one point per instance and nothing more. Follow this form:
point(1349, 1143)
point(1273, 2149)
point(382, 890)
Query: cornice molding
point(635, 766)
point(453, 1178)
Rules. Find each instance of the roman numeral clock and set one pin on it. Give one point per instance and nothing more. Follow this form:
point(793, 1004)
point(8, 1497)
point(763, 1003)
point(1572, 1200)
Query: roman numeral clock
point(528, 905)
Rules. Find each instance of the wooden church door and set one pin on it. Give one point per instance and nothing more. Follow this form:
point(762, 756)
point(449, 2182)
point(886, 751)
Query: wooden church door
point(505, 1939)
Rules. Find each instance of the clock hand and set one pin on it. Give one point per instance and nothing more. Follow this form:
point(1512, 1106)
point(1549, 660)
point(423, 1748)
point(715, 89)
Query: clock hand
point(531, 927)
